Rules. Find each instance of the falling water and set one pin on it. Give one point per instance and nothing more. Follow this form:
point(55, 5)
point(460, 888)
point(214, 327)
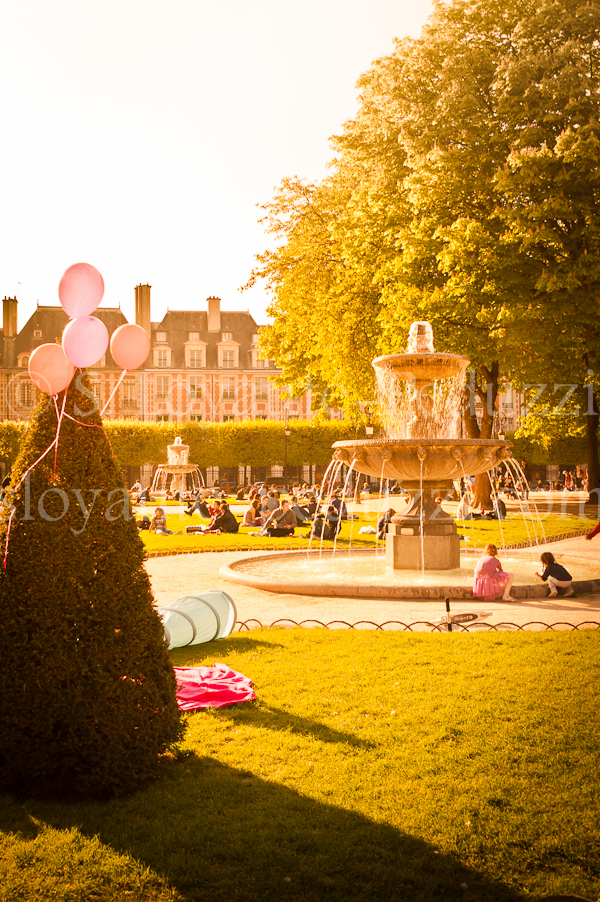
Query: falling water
point(516, 479)
point(436, 404)
point(421, 455)
point(471, 528)
point(344, 490)
point(530, 501)
point(495, 497)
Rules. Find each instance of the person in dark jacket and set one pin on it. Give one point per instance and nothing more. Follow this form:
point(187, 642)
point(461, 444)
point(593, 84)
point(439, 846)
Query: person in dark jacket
point(226, 521)
point(555, 575)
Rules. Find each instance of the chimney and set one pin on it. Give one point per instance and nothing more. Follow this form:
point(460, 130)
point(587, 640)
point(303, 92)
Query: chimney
point(214, 314)
point(9, 317)
point(142, 307)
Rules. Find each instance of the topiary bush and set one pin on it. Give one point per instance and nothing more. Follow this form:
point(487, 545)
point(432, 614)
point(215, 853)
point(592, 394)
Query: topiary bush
point(87, 691)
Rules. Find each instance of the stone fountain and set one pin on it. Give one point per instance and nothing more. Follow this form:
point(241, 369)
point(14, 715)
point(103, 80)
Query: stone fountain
point(419, 394)
point(179, 469)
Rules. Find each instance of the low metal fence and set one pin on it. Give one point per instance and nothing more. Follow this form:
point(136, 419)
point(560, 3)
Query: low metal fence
point(422, 626)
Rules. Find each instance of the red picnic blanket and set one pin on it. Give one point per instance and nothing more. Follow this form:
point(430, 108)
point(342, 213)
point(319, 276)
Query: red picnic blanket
point(211, 687)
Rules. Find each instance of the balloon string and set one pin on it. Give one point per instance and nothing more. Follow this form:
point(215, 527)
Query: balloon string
point(113, 392)
point(22, 480)
point(93, 426)
point(12, 513)
point(59, 419)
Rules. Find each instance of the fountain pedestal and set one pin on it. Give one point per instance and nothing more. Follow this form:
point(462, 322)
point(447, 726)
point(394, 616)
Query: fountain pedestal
point(406, 549)
point(423, 536)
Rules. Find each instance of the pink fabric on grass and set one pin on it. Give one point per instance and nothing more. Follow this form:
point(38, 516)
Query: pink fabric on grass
point(211, 687)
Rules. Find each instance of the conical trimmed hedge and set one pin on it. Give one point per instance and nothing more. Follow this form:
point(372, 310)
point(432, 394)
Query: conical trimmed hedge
point(87, 692)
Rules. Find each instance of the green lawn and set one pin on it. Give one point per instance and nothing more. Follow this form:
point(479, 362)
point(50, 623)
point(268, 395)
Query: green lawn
point(514, 530)
point(372, 766)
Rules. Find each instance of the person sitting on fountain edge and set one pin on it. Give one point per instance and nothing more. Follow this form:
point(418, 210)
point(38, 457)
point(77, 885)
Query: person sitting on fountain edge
point(383, 523)
point(491, 580)
point(281, 522)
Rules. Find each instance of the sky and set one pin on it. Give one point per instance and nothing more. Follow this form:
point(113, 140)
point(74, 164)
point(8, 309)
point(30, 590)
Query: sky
point(142, 136)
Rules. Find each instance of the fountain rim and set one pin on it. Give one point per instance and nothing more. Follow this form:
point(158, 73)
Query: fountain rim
point(356, 590)
point(435, 357)
point(425, 442)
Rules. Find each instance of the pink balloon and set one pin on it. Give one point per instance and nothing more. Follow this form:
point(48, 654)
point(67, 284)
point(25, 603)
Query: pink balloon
point(130, 346)
point(50, 369)
point(85, 340)
point(81, 289)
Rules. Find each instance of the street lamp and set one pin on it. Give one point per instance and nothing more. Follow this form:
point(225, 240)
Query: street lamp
point(369, 429)
point(287, 432)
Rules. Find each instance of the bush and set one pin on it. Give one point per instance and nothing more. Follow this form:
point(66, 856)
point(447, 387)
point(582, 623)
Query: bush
point(87, 692)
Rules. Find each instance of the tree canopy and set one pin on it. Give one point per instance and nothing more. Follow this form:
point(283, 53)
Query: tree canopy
point(464, 192)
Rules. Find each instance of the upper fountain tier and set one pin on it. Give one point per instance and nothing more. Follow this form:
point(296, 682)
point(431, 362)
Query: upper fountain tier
point(420, 364)
point(419, 395)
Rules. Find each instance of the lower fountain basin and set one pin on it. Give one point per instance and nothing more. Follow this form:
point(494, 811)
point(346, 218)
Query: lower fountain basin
point(363, 574)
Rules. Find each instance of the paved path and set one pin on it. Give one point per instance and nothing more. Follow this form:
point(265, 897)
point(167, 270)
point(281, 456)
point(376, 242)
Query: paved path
point(187, 574)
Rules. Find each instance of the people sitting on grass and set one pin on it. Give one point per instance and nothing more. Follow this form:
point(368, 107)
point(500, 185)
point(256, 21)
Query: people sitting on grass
point(327, 526)
point(199, 505)
point(272, 501)
point(281, 522)
point(463, 511)
point(499, 509)
point(340, 505)
point(252, 516)
point(302, 514)
point(158, 524)
point(225, 521)
point(311, 506)
point(555, 575)
point(144, 497)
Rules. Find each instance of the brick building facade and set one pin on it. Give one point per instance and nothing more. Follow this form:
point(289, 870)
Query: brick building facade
point(203, 365)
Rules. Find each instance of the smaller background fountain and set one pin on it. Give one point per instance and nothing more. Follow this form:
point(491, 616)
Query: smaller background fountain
point(177, 474)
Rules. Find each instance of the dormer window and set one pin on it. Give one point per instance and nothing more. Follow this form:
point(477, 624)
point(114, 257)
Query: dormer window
point(226, 336)
point(162, 357)
point(161, 336)
point(23, 361)
point(259, 363)
point(195, 353)
point(37, 333)
point(193, 336)
point(229, 353)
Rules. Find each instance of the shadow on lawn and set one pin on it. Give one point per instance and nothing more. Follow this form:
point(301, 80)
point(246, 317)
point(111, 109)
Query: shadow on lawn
point(220, 834)
point(272, 718)
point(240, 643)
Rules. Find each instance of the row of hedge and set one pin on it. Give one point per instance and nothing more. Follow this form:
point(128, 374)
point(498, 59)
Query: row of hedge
point(259, 443)
point(256, 443)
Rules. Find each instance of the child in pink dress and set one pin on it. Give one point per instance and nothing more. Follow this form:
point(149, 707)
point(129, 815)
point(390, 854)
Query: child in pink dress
point(490, 579)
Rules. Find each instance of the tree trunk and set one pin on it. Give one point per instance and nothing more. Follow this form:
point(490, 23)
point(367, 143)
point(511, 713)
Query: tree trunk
point(593, 467)
point(483, 386)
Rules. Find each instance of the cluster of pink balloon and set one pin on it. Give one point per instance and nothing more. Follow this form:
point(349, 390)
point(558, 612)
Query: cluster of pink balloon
point(85, 337)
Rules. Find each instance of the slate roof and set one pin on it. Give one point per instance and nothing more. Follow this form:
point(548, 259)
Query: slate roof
point(179, 323)
point(52, 320)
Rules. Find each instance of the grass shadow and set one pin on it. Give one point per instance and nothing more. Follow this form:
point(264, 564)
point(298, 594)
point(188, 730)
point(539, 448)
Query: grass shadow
point(193, 655)
point(271, 718)
point(216, 833)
